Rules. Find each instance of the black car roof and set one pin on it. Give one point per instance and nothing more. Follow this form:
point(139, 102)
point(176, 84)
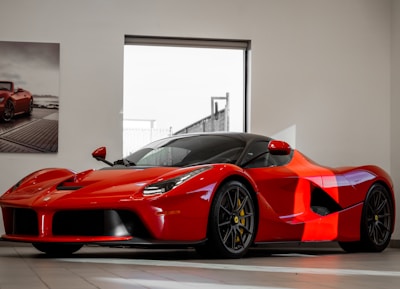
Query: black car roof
point(244, 136)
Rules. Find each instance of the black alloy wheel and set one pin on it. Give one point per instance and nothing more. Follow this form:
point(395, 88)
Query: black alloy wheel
point(30, 107)
point(376, 222)
point(8, 113)
point(378, 218)
point(232, 222)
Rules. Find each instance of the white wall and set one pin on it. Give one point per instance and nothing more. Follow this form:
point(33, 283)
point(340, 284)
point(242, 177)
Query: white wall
point(395, 107)
point(323, 67)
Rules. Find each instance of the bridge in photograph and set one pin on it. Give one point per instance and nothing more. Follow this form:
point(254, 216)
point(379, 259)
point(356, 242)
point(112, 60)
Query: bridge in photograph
point(37, 133)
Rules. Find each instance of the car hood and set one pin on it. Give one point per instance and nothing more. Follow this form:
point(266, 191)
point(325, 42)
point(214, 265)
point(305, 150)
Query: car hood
point(117, 176)
point(60, 183)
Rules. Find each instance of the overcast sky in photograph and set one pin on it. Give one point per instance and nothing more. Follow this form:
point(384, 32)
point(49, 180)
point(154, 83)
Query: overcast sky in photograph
point(31, 66)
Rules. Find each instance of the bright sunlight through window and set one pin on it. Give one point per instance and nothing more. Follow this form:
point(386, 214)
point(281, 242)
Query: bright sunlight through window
point(170, 90)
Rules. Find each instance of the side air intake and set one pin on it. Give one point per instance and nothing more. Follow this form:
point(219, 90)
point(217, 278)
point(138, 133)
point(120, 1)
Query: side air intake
point(322, 203)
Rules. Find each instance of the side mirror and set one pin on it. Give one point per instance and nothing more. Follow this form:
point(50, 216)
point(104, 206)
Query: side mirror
point(278, 147)
point(100, 155)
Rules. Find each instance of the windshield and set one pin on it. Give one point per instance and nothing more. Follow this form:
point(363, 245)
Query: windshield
point(188, 151)
point(5, 86)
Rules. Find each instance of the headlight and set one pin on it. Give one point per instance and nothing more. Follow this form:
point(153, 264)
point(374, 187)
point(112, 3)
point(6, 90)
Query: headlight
point(1, 99)
point(167, 185)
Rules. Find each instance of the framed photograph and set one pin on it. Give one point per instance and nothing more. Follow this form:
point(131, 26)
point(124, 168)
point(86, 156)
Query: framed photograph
point(29, 97)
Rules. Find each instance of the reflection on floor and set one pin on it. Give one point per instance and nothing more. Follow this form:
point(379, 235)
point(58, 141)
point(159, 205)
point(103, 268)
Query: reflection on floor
point(21, 266)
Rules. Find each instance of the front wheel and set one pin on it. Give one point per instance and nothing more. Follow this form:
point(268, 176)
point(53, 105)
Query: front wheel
point(57, 249)
point(232, 222)
point(376, 222)
point(8, 112)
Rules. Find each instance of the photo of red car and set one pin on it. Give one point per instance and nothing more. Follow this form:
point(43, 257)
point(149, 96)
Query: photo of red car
point(14, 101)
point(221, 193)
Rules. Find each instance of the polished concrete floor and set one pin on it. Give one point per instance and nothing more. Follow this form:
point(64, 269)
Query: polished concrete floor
point(21, 266)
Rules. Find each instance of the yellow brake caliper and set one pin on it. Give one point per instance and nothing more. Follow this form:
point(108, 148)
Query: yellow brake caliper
point(242, 221)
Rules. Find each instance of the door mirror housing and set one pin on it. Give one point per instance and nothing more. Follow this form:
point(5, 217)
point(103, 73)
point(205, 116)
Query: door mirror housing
point(278, 147)
point(100, 155)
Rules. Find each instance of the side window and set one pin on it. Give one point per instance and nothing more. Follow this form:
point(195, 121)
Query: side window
point(277, 160)
point(255, 149)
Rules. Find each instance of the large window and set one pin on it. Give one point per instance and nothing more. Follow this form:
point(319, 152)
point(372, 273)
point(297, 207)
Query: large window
point(174, 86)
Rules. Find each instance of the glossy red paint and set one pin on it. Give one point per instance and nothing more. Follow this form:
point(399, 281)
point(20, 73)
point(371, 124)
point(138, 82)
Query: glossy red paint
point(14, 101)
point(100, 153)
point(279, 147)
point(296, 201)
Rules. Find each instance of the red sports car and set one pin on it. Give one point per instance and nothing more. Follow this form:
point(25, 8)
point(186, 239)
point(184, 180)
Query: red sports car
point(13, 102)
point(218, 192)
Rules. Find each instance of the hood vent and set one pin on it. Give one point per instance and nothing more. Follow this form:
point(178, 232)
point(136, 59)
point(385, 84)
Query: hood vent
point(69, 185)
point(68, 188)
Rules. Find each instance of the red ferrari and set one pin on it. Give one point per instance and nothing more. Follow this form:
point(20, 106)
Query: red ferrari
point(14, 101)
point(220, 193)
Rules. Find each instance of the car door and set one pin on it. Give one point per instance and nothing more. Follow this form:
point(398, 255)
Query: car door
point(21, 100)
point(284, 194)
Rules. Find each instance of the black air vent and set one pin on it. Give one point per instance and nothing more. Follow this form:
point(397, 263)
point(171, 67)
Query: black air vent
point(63, 187)
point(322, 203)
point(98, 223)
point(24, 222)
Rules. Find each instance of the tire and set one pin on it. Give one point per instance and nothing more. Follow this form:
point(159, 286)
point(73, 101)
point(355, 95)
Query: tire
point(56, 249)
point(30, 109)
point(232, 222)
point(376, 222)
point(8, 113)
point(351, 247)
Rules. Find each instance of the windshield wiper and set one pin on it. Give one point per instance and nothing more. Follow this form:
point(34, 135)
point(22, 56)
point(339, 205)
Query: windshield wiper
point(124, 162)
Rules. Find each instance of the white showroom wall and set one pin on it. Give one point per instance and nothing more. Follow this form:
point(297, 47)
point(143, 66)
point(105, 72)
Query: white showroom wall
point(395, 108)
point(321, 67)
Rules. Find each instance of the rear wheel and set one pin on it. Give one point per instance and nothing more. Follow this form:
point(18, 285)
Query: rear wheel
point(376, 222)
point(57, 249)
point(30, 109)
point(232, 223)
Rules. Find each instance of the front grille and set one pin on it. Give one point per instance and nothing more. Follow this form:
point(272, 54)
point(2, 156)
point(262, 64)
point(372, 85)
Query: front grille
point(23, 222)
point(98, 223)
point(76, 223)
